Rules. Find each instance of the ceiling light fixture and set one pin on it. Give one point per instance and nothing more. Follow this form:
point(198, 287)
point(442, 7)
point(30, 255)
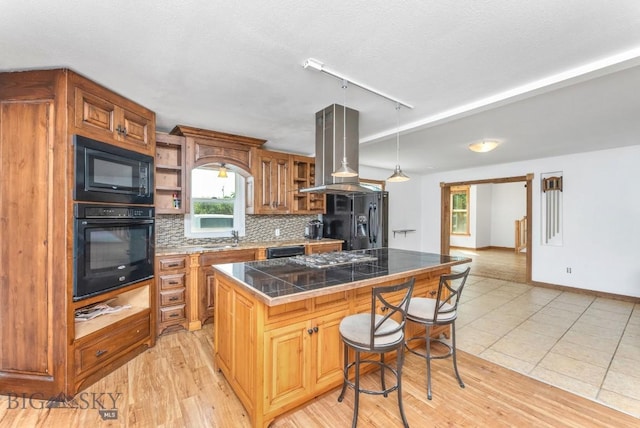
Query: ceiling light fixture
point(483, 146)
point(319, 66)
point(344, 170)
point(398, 176)
point(222, 172)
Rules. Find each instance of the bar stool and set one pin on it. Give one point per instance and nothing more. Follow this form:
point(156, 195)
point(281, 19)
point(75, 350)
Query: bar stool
point(375, 333)
point(443, 310)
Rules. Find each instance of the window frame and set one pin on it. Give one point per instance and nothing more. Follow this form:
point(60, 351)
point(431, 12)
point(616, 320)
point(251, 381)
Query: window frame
point(457, 190)
point(239, 209)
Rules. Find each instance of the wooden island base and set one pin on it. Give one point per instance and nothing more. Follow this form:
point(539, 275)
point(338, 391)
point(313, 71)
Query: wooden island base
point(277, 358)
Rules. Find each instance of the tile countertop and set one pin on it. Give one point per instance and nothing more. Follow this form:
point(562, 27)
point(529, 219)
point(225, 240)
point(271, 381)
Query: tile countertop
point(279, 281)
point(227, 246)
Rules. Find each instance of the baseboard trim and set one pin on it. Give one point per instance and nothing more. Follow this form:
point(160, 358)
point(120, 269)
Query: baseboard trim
point(594, 293)
point(490, 247)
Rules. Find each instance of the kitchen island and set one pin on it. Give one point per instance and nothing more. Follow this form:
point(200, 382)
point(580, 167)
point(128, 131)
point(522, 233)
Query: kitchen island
point(276, 322)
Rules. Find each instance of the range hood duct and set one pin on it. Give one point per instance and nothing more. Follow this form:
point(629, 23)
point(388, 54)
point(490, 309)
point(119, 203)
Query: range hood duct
point(330, 131)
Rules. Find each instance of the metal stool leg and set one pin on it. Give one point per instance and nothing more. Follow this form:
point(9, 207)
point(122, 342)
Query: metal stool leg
point(384, 387)
point(428, 358)
point(453, 353)
point(399, 391)
point(345, 372)
point(357, 391)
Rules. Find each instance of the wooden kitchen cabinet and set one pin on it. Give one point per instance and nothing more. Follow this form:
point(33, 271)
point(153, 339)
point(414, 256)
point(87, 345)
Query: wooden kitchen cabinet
point(272, 183)
point(277, 358)
point(45, 352)
point(171, 279)
point(171, 195)
point(303, 176)
point(322, 247)
point(90, 353)
point(236, 308)
point(99, 113)
point(317, 352)
point(207, 283)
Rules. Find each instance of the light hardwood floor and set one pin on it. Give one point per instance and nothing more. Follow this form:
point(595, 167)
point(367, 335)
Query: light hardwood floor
point(175, 385)
point(497, 263)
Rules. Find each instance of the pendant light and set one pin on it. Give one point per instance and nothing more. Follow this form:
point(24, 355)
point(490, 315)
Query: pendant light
point(397, 176)
point(344, 170)
point(222, 172)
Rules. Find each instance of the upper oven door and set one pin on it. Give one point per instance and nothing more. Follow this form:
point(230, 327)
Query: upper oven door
point(105, 173)
point(111, 252)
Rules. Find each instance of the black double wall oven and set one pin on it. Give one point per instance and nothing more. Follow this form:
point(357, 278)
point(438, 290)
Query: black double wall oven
point(114, 218)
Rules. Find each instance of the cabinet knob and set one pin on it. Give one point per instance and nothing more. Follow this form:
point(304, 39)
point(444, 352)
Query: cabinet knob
point(315, 329)
point(432, 293)
point(310, 331)
point(101, 352)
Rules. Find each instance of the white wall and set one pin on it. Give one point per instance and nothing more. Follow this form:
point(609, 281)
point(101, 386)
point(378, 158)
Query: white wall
point(508, 204)
point(404, 208)
point(483, 213)
point(601, 218)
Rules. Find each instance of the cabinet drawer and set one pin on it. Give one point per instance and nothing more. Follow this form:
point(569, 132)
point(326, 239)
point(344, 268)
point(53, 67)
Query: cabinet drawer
point(231, 256)
point(172, 313)
point(168, 282)
point(172, 263)
point(173, 297)
point(95, 352)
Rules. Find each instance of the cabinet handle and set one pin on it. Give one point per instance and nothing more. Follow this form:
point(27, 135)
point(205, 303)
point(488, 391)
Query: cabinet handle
point(384, 308)
point(101, 352)
point(173, 282)
point(121, 130)
point(173, 299)
point(173, 265)
point(174, 315)
point(310, 331)
point(315, 329)
point(432, 293)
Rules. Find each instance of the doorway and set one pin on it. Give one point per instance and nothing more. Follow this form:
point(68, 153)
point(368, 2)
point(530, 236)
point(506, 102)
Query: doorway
point(445, 213)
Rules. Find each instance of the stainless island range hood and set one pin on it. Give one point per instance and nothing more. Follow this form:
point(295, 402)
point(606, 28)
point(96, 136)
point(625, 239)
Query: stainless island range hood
point(331, 147)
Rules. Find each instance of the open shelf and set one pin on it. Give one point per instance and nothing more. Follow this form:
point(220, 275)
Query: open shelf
point(170, 173)
point(138, 298)
point(304, 176)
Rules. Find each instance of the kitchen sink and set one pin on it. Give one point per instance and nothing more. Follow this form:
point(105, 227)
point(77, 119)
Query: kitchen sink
point(218, 246)
point(192, 248)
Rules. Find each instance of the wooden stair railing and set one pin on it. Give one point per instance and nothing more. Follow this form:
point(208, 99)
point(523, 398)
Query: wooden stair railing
point(521, 234)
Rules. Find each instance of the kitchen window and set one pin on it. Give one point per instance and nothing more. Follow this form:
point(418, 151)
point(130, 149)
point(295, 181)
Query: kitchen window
point(217, 203)
point(460, 210)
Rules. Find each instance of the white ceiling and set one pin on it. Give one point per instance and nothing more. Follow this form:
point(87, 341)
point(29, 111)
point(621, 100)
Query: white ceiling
point(544, 77)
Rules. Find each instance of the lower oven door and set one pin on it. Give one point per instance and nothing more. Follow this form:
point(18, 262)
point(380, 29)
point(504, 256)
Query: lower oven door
point(111, 253)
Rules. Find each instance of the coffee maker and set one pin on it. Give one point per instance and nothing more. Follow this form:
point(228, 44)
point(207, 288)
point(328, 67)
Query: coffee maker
point(313, 230)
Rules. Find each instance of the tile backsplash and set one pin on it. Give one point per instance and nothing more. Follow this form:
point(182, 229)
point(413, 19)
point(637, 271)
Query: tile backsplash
point(170, 229)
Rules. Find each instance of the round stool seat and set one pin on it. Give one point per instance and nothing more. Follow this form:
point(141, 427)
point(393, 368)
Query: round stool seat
point(356, 329)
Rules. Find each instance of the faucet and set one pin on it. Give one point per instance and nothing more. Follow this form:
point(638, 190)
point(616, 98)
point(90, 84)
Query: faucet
point(234, 234)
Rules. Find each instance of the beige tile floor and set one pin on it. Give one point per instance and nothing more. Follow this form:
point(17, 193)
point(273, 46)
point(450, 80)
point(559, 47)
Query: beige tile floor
point(584, 344)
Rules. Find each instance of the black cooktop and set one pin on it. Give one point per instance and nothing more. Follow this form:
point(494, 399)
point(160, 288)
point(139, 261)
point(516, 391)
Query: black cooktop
point(283, 277)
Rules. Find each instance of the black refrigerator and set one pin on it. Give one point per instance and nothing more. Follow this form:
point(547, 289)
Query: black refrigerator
point(360, 220)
